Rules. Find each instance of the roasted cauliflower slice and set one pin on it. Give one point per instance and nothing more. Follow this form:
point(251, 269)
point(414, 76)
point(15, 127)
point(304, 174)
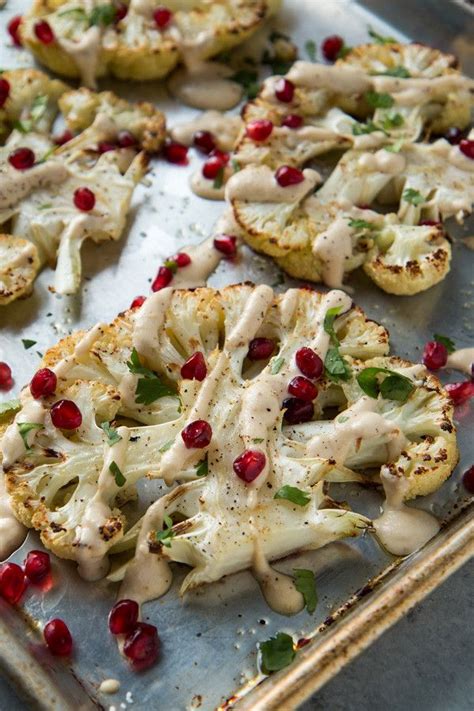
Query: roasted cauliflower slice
point(60, 481)
point(90, 40)
point(147, 124)
point(19, 265)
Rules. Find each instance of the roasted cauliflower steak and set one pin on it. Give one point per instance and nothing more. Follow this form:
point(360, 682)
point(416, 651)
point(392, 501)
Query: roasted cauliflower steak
point(142, 418)
point(91, 39)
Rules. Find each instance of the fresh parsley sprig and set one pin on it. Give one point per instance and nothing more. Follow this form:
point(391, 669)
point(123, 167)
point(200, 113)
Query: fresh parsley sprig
point(393, 387)
point(167, 534)
point(149, 386)
point(276, 653)
point(293, 494)
point(305, 583)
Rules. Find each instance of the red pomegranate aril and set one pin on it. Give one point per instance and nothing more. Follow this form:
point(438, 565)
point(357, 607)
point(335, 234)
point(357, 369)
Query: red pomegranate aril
point(259, 130)
point(4, 91)
point(84, 199)
point(249, 465)
point(43, 383)
point(222, 155)
point(466, 146)
point(284, 91)
point(204, 141)
point(460, 392)
point(182, 259)
point(105, 147)
point(37, 566)
point(292, 121)
point(331, 47)
point(44, 32)
point(6, 380)
point(12, 582)
point(453, 135)
point(137, 302)
point(297, 411)
point(468, 479)
point(162, 16)
point(286, 175)
point(66, 415)
point(125, 139)
point(260, 348)
point(175, 153)
point(197, 434)
point(121, 12)
point(435, 355)
point(13, 28)
point(309, 363)
point(162, 279)
point(22, 158)
point(212, 167)
point(123, 617)
point(63, 138)
point(58, 638)
point(142, 646)
point(227, 244)
point(302, 388)
point(195, 367)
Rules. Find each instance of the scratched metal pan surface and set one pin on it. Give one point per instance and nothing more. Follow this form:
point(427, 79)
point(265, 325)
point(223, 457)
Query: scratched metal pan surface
point(210, 638)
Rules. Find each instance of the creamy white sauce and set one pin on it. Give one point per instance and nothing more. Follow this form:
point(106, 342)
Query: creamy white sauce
point(223, 127)
point(16, 184)
point(12, 444)
point(12, 532)
point(383, 162)
point(462, 360)
point(277, 588)
point(334, 247)
point(205, 188)
point(340, 80)
point(402, 529)
point(206, 86)
point(257, 183)
point(81, 349)
point(416, 90)
point(109, 686)
point(85, 53)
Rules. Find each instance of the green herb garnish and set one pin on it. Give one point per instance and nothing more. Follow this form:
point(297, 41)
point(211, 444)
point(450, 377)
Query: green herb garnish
point(167, 534)
point(112, 435)
point(202, 469)
point(276, 365)
point(379, 101)
point(360, 129)
point(305, 583)
point(399, 71)
point(293, 494)
point(167, 445)
point(393, 387)
point(413, 197)
point(380, 39)
point(330, 317)
point(310, 47)
point(248, 79)
point(219, 179)
point(149, 387)
point(276, 653)
point(118, 476)
point(25, 427)
point(171, 264)
point(335, 366)
point(445, 341)
point(27, 343)
point(103, 15)
point(361, 225)
point(38, 108)
point(392, 121)
point(395, 147)
point(10, 406)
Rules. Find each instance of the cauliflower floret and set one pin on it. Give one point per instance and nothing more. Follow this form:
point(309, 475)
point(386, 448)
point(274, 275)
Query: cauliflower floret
point(65, 482)
point(143, 120)
point(19, 265)
point(90, 43)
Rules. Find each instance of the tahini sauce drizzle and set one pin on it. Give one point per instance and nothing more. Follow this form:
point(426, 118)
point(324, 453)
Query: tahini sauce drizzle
point(224, 128)
point(258, 182)
point(86, 53)
point(462, 359)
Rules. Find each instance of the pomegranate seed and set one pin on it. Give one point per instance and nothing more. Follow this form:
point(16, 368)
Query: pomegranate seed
point(123, 617)
point(195, 367)
point(162, 16)
point(125, 139)
point(137, 302)
point(331, 47)
point(142, 646)
point(162, 279)
point(6, 380)
point(105, 147)
point(4, 91)
point(12, 582)
point(22, 158)
point(227, 244)
point(176, 153)
point(466, 146)
point(182, 259)
point(222, 155)
point(249, 465)
point(309, 363)
point(63, 138)
point(44, 32)
point(66, 415)
point(212, 167)
point(297, 411)
point(204, 141)
point(260, 348)
point(453, 135)
point(302, 388)
point(435, 355)
point(259, 130)
point(121, 12)
point(43, 383)
point(286, 175)
point(37, 566)
point(468, 479)
point(292, 121)
point(84, 199)
point(58, 638)
point(13, 29)
point(197, 434)
point(284, 90)
point(460, 392)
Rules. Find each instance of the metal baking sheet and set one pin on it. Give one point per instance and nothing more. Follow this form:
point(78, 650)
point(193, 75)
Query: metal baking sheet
point(210, 637)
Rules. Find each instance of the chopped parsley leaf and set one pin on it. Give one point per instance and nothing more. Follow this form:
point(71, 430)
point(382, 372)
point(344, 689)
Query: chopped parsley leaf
point(117, 474)
point(393, 387)
point(413, 197)
point(445, 341)
point(167, 534)
point(305, 583)
point(379, 101)
point(27, 343)
point(25, 427)
point(112, 435)
point(276, 653)
point(293, 494)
